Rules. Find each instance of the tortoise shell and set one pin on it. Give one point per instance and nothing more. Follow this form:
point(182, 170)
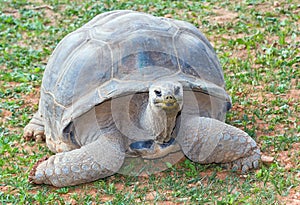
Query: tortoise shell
point(120, 53)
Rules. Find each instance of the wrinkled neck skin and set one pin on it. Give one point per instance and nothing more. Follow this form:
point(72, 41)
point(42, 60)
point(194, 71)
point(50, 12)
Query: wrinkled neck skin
point(158, 122)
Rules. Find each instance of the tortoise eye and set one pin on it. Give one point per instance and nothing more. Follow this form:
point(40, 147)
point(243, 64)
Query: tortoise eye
point(157, 93)
point(177, 90)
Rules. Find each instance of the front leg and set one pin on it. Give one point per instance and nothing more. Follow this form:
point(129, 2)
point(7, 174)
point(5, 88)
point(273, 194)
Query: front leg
point(207, 140)
point(98, 159)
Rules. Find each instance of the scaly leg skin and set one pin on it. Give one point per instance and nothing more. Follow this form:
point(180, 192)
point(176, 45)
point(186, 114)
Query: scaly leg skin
point(93, 161)
point(35, 129)
point(207, 140)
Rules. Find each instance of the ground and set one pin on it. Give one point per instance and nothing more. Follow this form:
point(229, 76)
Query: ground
point(258, 46)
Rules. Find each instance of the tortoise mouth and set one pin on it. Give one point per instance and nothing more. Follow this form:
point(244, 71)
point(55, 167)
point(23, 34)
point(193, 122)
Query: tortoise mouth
point(167, 104)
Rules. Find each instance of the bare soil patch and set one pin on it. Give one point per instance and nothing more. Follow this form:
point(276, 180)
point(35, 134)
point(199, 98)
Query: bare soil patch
point(223, 16)
point(286, 159)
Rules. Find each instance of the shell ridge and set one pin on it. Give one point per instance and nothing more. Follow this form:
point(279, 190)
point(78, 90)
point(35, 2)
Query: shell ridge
point(112, 60)
point(52, 95)
point(66, 65)
point(173, 42)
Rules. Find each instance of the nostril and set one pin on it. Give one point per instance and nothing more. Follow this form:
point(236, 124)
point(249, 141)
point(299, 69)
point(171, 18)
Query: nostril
point(169, 97)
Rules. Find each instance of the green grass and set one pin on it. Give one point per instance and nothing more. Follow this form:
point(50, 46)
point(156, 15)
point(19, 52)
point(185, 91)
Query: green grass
point(258, 45)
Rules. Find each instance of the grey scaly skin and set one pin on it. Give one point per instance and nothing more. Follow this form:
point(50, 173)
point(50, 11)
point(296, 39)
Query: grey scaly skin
point(206, 140)
point(165, 101)
point(202, 140)
point(96, 158)
point(89, 163)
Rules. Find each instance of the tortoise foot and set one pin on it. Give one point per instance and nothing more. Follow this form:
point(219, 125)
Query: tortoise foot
point(34, 130)
point(246, 163)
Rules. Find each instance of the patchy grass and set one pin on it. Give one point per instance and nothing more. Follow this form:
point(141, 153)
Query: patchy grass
point(258, 45)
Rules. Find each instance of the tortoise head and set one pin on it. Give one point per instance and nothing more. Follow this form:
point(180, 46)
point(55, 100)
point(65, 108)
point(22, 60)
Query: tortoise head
point(167, 96)
point(159, 118)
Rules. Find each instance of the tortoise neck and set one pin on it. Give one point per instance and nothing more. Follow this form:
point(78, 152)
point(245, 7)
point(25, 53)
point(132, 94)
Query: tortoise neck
point(158, 122)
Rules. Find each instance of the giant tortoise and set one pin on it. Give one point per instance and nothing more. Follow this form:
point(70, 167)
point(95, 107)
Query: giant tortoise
point(130, 85)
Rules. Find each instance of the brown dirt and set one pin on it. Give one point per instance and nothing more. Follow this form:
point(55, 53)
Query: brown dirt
point(293, 198)
point(30, 100)
point(286, 159)
point(222, 16)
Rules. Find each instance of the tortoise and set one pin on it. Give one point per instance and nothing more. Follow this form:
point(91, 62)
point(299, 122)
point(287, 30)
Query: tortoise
point(128, 85)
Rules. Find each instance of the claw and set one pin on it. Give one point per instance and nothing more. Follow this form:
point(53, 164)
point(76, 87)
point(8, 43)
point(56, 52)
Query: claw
point(32, 174)
point(39, 137)
point(28, 135)
point(256, 164)
point(235, 168)
point(34, 132)
point(245, 169)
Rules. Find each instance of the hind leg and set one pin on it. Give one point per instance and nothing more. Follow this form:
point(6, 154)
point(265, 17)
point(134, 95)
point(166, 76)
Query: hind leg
point(34, 130)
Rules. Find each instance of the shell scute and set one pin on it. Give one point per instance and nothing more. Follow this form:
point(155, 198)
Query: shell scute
point(123, 52)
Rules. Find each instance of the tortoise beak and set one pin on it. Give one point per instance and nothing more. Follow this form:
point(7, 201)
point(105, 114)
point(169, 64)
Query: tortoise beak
point(168, 102)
